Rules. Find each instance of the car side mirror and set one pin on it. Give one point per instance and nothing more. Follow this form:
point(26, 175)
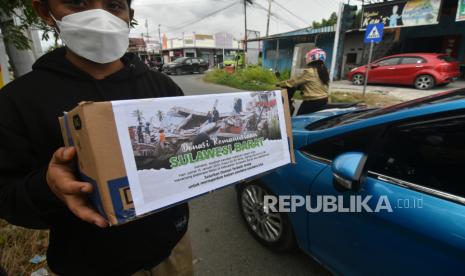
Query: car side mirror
point(374, 65)
point(348, 170)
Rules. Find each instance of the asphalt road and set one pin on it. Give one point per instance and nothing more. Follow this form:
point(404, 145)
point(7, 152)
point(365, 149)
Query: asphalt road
point(405, 93)
point(221, 243)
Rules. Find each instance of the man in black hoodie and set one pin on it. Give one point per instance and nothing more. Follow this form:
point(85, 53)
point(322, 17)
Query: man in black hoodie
point(38, 184)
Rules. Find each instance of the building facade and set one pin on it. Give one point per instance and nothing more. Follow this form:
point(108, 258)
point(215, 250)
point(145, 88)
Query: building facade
point(428, 26)
point(209, 47)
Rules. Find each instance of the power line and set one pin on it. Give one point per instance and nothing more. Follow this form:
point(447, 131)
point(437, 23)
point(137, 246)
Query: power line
point(290, 24)
point(192, 22)
point(290, 12)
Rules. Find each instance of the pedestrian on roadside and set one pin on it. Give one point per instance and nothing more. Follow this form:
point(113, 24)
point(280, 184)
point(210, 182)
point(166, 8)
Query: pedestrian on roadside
point(313, 82)
point(140, 133)
point(39, 186)
point(216, 115)
point(162, 139)
point(209, 117)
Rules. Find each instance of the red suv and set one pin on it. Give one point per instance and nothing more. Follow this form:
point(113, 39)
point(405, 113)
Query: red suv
point(423, 70)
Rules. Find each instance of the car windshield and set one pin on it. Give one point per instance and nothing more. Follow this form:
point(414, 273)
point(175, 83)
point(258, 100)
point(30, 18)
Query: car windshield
point(363, 114)
point(180, 60)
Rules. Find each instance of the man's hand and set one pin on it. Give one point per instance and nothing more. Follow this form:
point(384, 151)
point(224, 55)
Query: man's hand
point(62, 181)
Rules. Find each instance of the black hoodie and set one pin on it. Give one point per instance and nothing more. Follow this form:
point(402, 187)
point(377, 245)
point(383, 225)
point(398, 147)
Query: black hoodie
point(30, 134)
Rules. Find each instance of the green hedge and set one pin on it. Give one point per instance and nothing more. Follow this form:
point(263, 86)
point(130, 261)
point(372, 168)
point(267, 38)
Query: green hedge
point(252, 78)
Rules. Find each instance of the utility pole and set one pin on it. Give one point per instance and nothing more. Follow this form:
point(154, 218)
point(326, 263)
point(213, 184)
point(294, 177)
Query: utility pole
point(245, 26)
point(269, 17)
point(147, 28)
point(336, 42)
point(159, 38)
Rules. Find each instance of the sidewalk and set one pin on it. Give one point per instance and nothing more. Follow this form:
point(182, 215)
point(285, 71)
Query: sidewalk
point(404, 93)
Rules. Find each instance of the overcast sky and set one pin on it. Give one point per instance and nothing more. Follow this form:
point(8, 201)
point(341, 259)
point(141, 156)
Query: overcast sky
point(172, 14)
point(175, 16)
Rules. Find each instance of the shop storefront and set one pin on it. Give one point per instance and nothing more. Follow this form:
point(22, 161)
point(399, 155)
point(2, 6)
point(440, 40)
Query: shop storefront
point(412, 26)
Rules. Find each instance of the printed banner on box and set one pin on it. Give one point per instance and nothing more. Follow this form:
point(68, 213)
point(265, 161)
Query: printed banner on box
point(404, 13)
point(175, 149)
point(461, 10)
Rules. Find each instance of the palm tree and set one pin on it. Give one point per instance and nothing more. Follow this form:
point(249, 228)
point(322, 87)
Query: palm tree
point(139, 115)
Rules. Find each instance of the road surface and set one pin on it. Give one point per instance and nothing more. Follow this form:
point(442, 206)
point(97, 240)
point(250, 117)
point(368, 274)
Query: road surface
point(220, 241)
point(404, 93)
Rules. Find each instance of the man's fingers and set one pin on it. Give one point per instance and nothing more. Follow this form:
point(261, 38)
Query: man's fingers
point(72, 187)
point(64, 155)
point(83, 211)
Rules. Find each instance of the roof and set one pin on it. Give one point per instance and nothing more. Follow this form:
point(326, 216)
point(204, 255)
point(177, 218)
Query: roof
point(299, 32)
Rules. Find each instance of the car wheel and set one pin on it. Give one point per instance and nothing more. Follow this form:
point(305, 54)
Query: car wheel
point(271, 229)
point(358, 79)
point(178, 71)
point(201, 70)
point(424, 82)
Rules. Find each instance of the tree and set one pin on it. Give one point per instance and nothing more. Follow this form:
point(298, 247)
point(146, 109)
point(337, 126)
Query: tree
point(139, 115)
point(331, 21)
point(16, 17)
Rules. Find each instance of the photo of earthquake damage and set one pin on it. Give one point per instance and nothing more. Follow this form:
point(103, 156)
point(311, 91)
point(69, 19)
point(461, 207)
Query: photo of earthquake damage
point(184, 129)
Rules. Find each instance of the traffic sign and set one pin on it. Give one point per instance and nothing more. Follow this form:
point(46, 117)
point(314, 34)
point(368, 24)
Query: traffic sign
point(374, 33)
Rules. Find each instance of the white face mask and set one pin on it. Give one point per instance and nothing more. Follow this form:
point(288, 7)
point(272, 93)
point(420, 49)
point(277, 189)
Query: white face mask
point(96, 35)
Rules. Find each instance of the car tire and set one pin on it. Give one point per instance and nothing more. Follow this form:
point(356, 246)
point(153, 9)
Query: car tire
point(201, 70)
point(424, 82)
point(358, 79)
point(273, 229)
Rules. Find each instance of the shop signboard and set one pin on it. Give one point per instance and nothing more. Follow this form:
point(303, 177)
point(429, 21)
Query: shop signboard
point(403, 13)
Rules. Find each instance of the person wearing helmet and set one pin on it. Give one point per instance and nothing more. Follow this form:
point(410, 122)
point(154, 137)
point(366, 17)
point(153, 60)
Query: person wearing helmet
point(313, 82)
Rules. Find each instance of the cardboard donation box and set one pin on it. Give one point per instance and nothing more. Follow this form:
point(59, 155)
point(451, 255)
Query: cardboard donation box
point(143, 156)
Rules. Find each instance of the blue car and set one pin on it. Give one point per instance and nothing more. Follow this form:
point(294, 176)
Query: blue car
point(392, 179)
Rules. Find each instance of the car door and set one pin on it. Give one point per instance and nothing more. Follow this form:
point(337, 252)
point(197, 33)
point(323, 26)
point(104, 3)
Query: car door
point(195, 65)
point(188, 66)
point(409, 68)
point(384, 71)
point(417, 167)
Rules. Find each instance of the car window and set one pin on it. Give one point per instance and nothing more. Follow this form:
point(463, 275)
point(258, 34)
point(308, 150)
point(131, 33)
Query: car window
point(189, 61)
point(194, 60)
point(430, 153)
point(446, 58)
point(330, 148)
point(389, 61)
point(413, 60)
point(180, 60)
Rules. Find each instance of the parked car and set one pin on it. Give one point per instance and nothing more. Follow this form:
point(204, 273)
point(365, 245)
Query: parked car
point(412, 154)
point(186, 65)
point(422, 70)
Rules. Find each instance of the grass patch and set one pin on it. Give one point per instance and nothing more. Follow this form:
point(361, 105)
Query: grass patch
point(18, 246)
point(259, 79)
point(251, 79)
